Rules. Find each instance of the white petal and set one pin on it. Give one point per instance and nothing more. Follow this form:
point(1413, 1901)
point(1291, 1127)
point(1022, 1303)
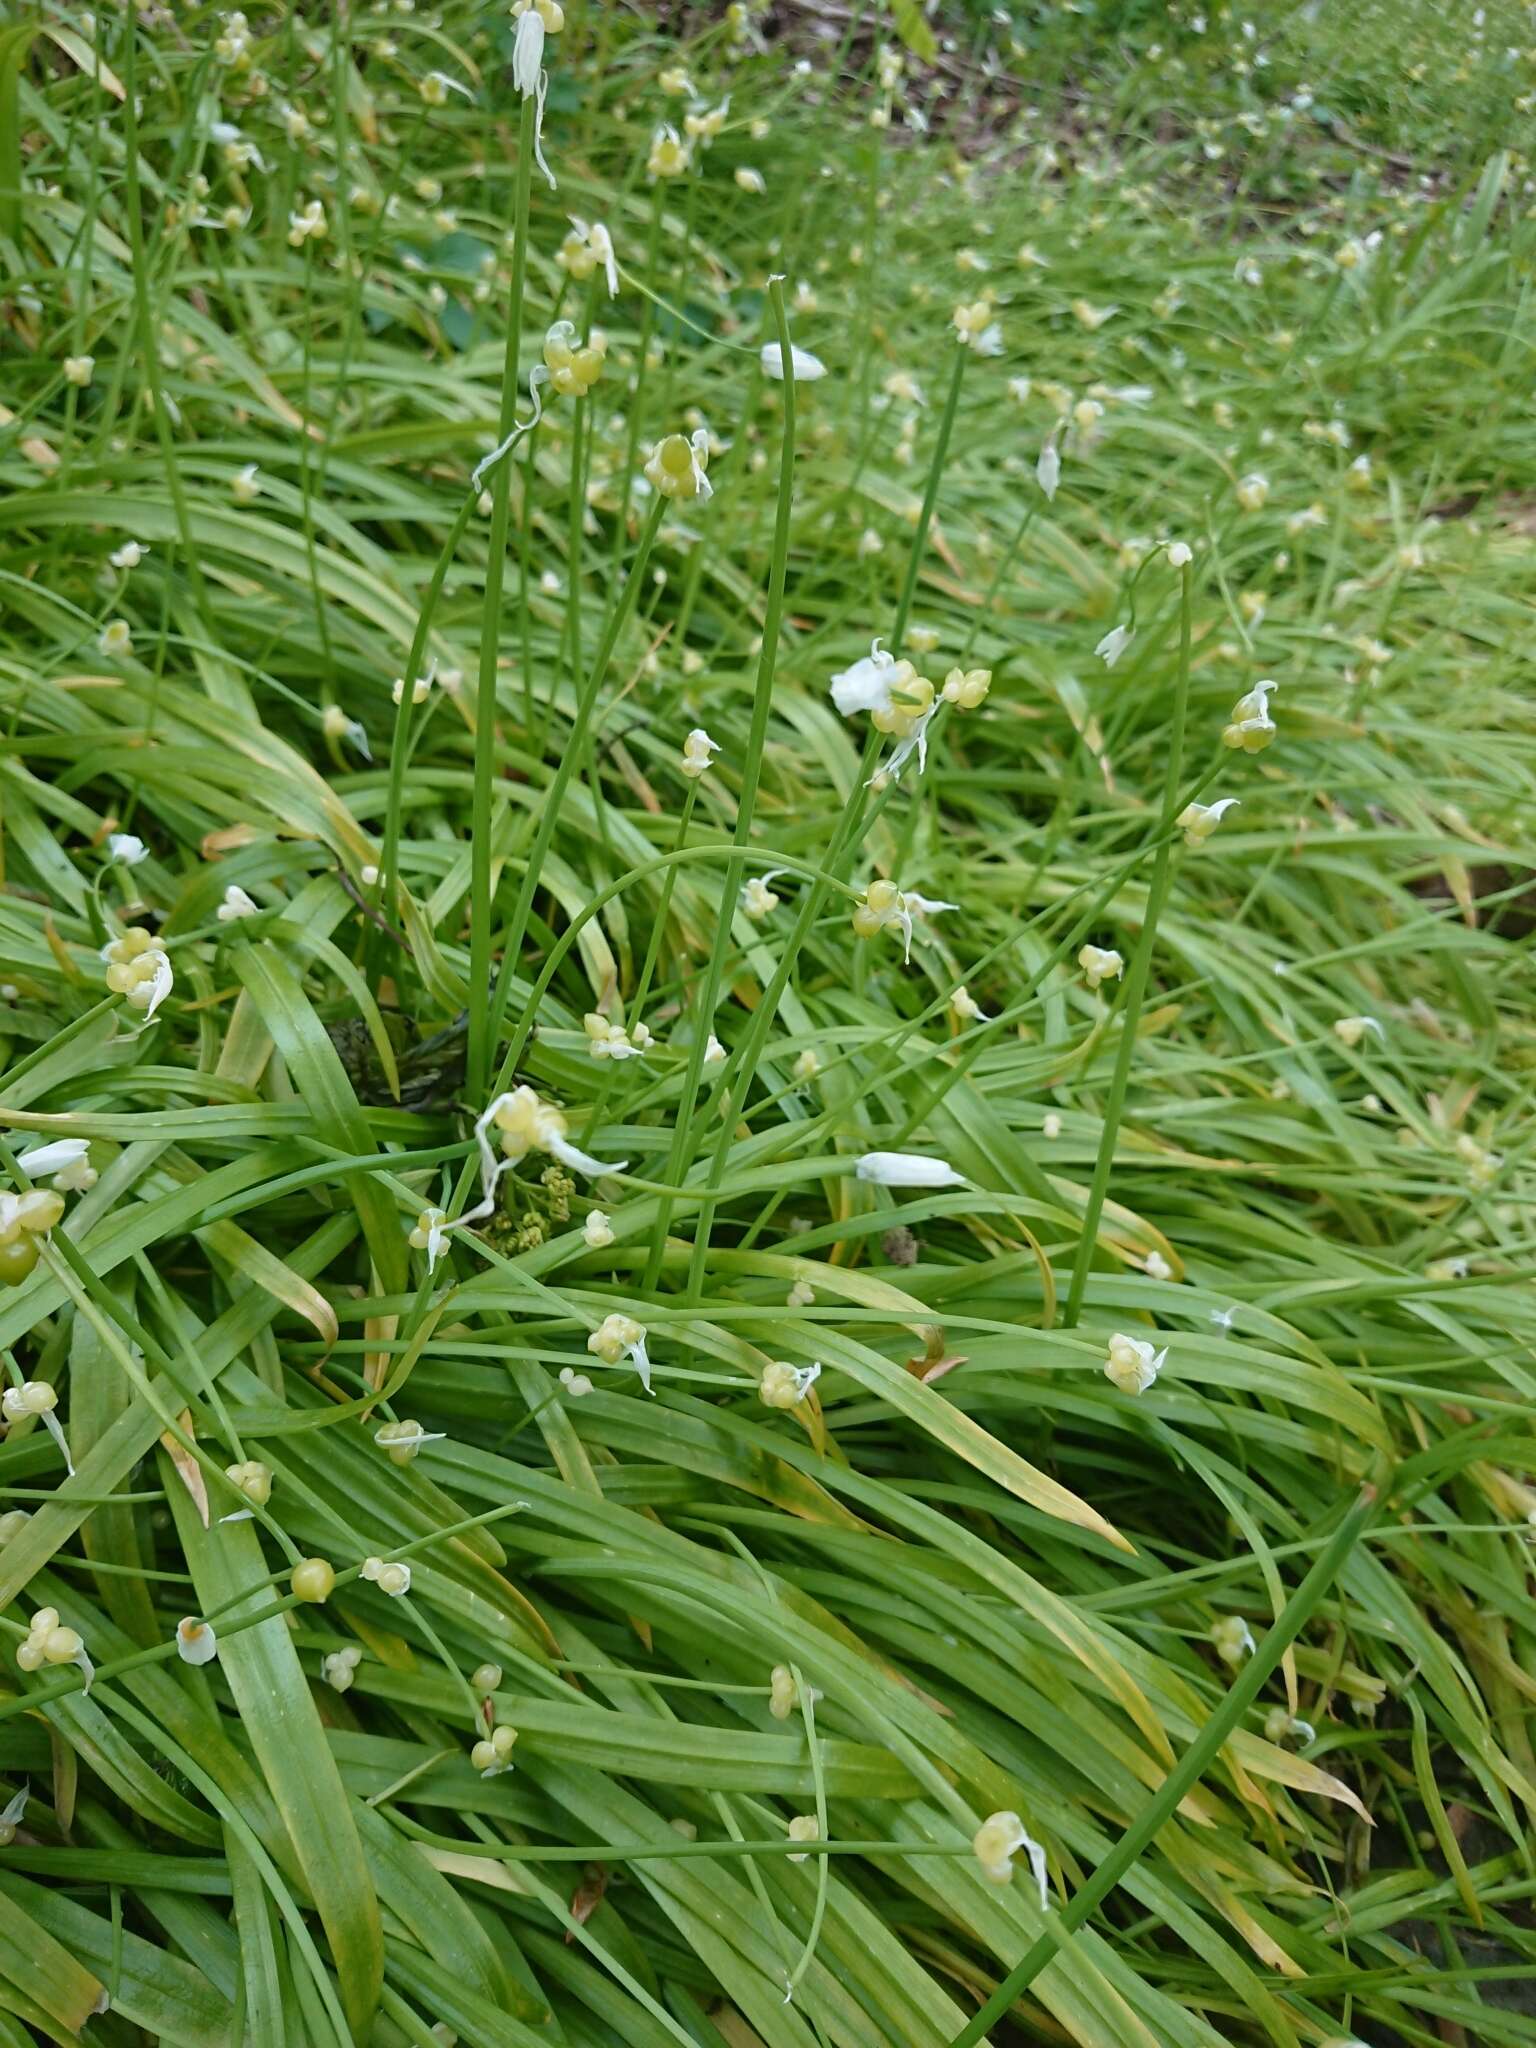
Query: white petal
point(14, 1811)
point(642, 1360)
point(46, 1159)
point(200, 1648)
point(124, 846)
point(806, 367)
point(866, 686)
point(1048, 469)
point(907, 1170)
point(583, 1162)
point(528, 51)
point(162, 984)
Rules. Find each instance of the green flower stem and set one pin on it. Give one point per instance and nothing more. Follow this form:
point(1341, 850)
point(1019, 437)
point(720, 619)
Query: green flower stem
point(481, 1017)
point(637, 396)
point(751, 770)
point(1185, 1775)
point(554, 797)
point(1136, 979)
point(930, 498)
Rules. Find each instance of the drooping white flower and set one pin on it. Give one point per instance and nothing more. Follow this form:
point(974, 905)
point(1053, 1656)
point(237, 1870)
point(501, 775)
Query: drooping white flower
point(806, 367)
point(1157, 1267)
point(196, 1642)
point(584, 248)
point(236, 904)
point(1251, 726)
point(429, 1234)
point(245, 485)
point(1100, 963)
point(525, 1123)
point(678, 466)
point(907, 1170)
point(1252, 491)
point(1198, 821)
point(126, 848)
point(1113, 645)
point(998, 1840)
point(1133, 1363)
point(757, 899)
point(393, 1578)
point(129, 555)
point(785, 1386)
point(336, 725)
point(597, 1231)
point(1232, 1638)
point(884, 905)
point(1048, 468)
point(116, 639)
point(698, 752)
point(401, 1441)
point(620, 1336)
point(976, 329)
point(1180, 554)
point(1351, 1030)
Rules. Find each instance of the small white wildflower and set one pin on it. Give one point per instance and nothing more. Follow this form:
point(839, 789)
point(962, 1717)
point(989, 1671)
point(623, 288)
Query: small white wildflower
point(807, 1066)
point(966, 1008)
point(805, 367)
point(1232, 1639)
point(1100, 963)
point(1251, 726)
point(400, 1441)
point(1113, 645)
point(1198, 821)
point(429, 1234)
point(79, 370)
point(126, 848)
point(237, 904)
point(245, 485)
point(786, 1386)
point(1180, 554)
point(576, 1384)
point(1050, 1124)
point(977, 330)
point(1351, 1030)
point(340, 1668)
point(1252, 491)
point(907, 1170)
point(116, 639)
point(998, 1840)
point(757, 899)
point(620, 1336)
point(1157, 1267)
point(1133, 1363)
point(1048, 468)
point(597, 1231)
point(196, 1642)
point(698, 752)
point(393, 1578)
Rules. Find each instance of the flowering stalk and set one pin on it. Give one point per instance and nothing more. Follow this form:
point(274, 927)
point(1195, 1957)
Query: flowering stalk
point(930, 498)
point(746, 805)
point(481, 1019)
point(1136, 978)
point(554, 796)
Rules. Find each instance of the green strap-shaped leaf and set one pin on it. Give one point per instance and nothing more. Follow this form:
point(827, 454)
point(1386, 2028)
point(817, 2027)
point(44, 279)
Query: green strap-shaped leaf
point(273, 1697)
